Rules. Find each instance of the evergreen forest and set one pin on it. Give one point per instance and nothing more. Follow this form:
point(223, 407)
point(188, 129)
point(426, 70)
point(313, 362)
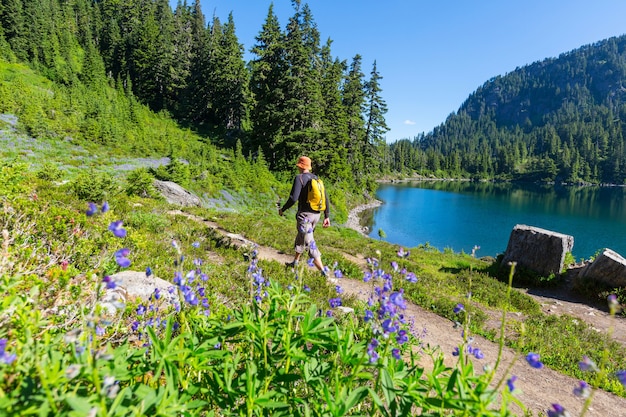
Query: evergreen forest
point(560, 119)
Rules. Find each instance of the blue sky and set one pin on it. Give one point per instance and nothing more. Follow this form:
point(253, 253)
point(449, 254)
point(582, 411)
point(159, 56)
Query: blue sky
point(433, 54)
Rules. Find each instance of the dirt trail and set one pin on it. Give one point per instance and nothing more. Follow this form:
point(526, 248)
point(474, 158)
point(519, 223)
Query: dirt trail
point(539, 388)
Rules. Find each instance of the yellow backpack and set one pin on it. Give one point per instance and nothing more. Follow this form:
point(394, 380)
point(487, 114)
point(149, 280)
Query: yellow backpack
point(316, 196)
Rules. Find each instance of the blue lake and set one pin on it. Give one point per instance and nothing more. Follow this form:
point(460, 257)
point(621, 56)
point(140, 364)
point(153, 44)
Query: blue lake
point(460, 215)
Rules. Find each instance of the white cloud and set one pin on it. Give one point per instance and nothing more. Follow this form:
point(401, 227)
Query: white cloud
point(409, 122)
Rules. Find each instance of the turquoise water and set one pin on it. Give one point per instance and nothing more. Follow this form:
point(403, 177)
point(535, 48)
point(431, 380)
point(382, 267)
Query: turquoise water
point(460, 215)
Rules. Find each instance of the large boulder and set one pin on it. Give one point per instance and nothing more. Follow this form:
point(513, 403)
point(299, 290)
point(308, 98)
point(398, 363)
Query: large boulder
point(175, 194)
point(538, 250)
point(608, 268)
point(134, 284)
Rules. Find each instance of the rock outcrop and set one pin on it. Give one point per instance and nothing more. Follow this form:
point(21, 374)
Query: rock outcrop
point(538, 250)
point(175, 194)
point(608, 268)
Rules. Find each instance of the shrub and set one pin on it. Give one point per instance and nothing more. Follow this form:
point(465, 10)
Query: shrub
point(140, 183)
point(49, 172)
point(93, 186)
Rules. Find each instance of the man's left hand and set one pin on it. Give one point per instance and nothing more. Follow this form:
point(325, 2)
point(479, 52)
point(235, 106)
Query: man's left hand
point(326, 222)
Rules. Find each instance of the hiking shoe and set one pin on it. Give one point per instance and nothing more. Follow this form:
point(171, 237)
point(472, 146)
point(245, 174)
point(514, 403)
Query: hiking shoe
point(291, 264)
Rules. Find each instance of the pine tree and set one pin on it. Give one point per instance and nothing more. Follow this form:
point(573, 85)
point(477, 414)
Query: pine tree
point(196, 97)
point(353, 98)
point(376, 126)
point(267, 89)
point(229, 79)
point(303, 110)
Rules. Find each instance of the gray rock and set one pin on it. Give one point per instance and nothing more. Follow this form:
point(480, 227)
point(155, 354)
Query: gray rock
point(608, 268)
point(135, 284)
point(538, 250)
point(175, 194)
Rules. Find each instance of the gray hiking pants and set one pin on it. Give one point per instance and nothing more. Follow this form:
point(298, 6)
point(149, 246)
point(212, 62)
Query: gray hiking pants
point(305, 223)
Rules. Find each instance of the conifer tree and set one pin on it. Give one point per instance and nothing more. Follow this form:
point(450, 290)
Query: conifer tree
point(228, 78)
point(376, 126)
point(196, 97)
point(331, 159)
point(266, 86)
point(302, 118)
point(353, 99)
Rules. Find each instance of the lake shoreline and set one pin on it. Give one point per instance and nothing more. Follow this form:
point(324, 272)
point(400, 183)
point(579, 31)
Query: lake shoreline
point(354, 217)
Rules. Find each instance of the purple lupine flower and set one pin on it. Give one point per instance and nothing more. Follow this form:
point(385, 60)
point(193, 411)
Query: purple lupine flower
point(533, 360)
point(92, 209)
point(621, 376)
point(478, 354)
point(196, 244)
point(99, 331)
point(309, 262)
point(371, 350)
point(368, 315)
point(338, 273)
point(511, 383)
point(334, 302)
point(389, 326)
point(411, 277)
point(395, 352)
point(456, 351)
point(134, 326)
point(306, 288)
point(398, 300)
point(614, 305)
point(105, 207)
point(117, 229)
point(402, 253)
point(394, 266)
point(109, 282)
point(157, 294)
point(121, 257)
point(6, 357)
point(583, 390)
point(402, 337)
point(367, 277)
point(338, 289)
point(141, 309)
point(558, 411)
point(458, 308)
point(587, 364)
point(178, 279)
point(148, 271)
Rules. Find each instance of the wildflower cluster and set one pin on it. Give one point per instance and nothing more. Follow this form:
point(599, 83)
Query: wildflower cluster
point(188, 291)
point(257, 281)
point(385, 312)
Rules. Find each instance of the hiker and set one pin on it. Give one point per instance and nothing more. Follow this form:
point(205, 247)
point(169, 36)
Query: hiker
point(306, 217)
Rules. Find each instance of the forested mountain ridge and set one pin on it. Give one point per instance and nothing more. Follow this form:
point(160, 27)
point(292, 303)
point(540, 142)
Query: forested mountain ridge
point(560, 119)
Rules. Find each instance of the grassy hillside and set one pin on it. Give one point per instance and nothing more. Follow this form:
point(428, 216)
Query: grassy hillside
point(55, 259)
